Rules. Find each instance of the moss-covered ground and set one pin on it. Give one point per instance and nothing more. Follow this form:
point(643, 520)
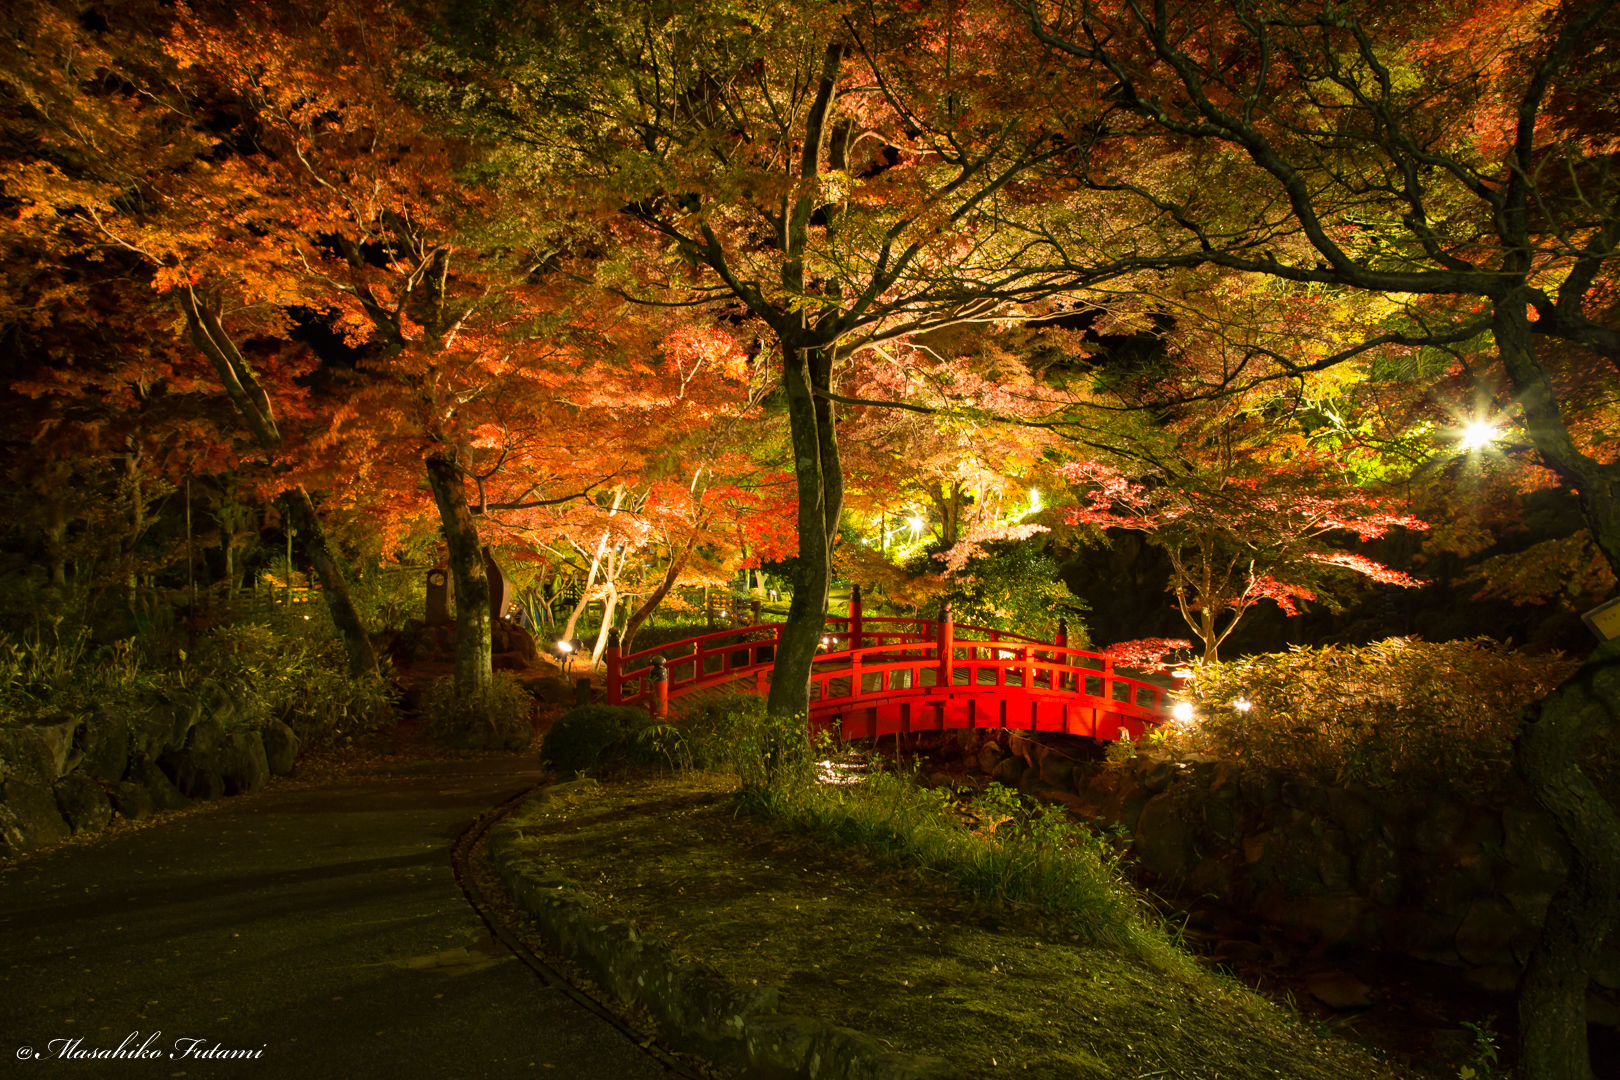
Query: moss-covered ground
point(900, 954)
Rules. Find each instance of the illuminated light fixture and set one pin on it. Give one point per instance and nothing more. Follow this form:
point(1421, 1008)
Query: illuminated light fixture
point(1479, 435)
point(1183, 711)
point(1242, 704)
point(916, 522)
point(564, 648)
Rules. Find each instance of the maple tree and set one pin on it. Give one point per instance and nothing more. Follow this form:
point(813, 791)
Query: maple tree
point(1454, 161)
point(839, 176)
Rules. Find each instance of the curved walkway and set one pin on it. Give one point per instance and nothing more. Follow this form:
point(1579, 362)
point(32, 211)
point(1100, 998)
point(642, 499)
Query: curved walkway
point(322, 927)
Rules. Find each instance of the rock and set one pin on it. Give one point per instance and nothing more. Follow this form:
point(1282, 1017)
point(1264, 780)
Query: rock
point(82, 803)
point(1378, 872)
point(1220, 821)
point(1130, 802)
point(989, 758)
point(1304, 795)
point(1606, 969)
point(29, 817)
point(1352, 813)
point(1212, 877)
point(280, 747)
point(1439, 827)
point(1425, 935)
point(1224, 780)
point(58, 732)
point(1600, 1010)
point(1260, 789)
point(1339, 990)
point(165, 796)
point(217, 703)
point(1031, 784)
point(1496, 979)
point(25, 756)
point(520, 641)
point(243, 764)
point(105, 737)
point(1242, 952)
point(193, 774)
point(206, 738)
point(1452, 880)
point(184, 710)
point(1536, 852)
point(1020, 745)
point(132, 800)
point(1161, 838)
point(1009, 771)
point(1333, 860)
point(1155, 773)
point(1344, 919)
point(1488, 931)
point(1057, 771)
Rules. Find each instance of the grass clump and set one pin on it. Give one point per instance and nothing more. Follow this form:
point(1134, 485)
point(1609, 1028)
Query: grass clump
point(1000, 849)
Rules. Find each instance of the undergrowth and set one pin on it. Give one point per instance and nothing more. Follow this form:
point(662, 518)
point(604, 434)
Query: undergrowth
point(1001, 849)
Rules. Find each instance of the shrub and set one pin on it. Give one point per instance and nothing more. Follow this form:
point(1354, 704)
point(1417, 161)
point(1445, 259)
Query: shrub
point(498, 716)
point(594, 736)
point(734, 733)
point(1398, 711)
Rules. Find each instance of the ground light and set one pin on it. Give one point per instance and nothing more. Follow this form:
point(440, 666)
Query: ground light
point(1183, 711)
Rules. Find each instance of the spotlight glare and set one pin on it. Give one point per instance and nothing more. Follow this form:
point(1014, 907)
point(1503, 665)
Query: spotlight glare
point(564, 647)
point(1242, 704)
point(1478, 435)
point(1183, 711)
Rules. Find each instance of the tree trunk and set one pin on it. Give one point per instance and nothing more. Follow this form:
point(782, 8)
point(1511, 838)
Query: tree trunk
point(1552, 994)
point(474, 672)
point(334, 587)
point(820, 483)
point(1585, 911)
point(610, 604)
point(677, 562)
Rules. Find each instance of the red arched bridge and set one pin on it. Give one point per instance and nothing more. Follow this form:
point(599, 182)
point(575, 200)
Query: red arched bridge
point(886, 676)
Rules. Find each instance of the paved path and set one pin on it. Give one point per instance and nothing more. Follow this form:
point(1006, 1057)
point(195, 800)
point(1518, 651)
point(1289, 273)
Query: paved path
point(323, 928)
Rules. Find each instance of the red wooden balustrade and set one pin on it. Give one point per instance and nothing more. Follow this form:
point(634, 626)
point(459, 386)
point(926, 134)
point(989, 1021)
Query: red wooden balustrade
point(883, 676)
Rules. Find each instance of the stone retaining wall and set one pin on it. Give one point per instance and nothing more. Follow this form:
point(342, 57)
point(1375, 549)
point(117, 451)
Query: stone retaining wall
point(69, 774)
point(1425, 874)
point(697, 1009)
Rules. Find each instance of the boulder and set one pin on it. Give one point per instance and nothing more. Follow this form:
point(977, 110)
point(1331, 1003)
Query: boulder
point(242, 763)
point(520, 641)
point(58, 732)
point(1057, 770)
point(1334, 863)
point(195, 775)
point(165, 796)
point(82, 803)
point(1452, 880)
point(1344, 919)
point(1536, 852)
point(1495, 979)
point(1161, 838)
point(26, 756)
point(105, 738)
point(989, 757)
point(1438, 828)
point(1488, 931)
point(1426, 935)
point(1339, 990)
point(1155, 773)
point(1378, 872)
point(29, 817)
point(1220, 821)
point(280, 747)
point(131, 800)
point(206, 738)
point(1009, 771)
point(1352, 813)
point(216, 702)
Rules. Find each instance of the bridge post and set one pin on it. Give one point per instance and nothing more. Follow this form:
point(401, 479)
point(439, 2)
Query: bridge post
point(658, 700)
point(855, 617)
point(615, 682)
point(947, 642)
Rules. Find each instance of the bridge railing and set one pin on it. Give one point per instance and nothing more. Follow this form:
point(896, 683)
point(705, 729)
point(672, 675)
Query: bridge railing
point(870, 661)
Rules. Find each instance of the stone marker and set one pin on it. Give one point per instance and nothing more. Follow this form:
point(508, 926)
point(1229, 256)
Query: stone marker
point(440, 590)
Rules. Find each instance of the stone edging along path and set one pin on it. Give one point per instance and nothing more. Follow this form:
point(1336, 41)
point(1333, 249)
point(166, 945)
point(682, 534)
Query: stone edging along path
point(697, 1009)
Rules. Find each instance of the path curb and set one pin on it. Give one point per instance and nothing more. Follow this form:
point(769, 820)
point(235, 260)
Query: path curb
point(698, 1010)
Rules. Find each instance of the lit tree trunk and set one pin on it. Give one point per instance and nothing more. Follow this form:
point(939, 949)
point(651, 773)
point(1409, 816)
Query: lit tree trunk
point(820, 483)
point(253, 405)
point(638, 617)
point(590, 578)
point(474, 671)
point(1586, 909)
